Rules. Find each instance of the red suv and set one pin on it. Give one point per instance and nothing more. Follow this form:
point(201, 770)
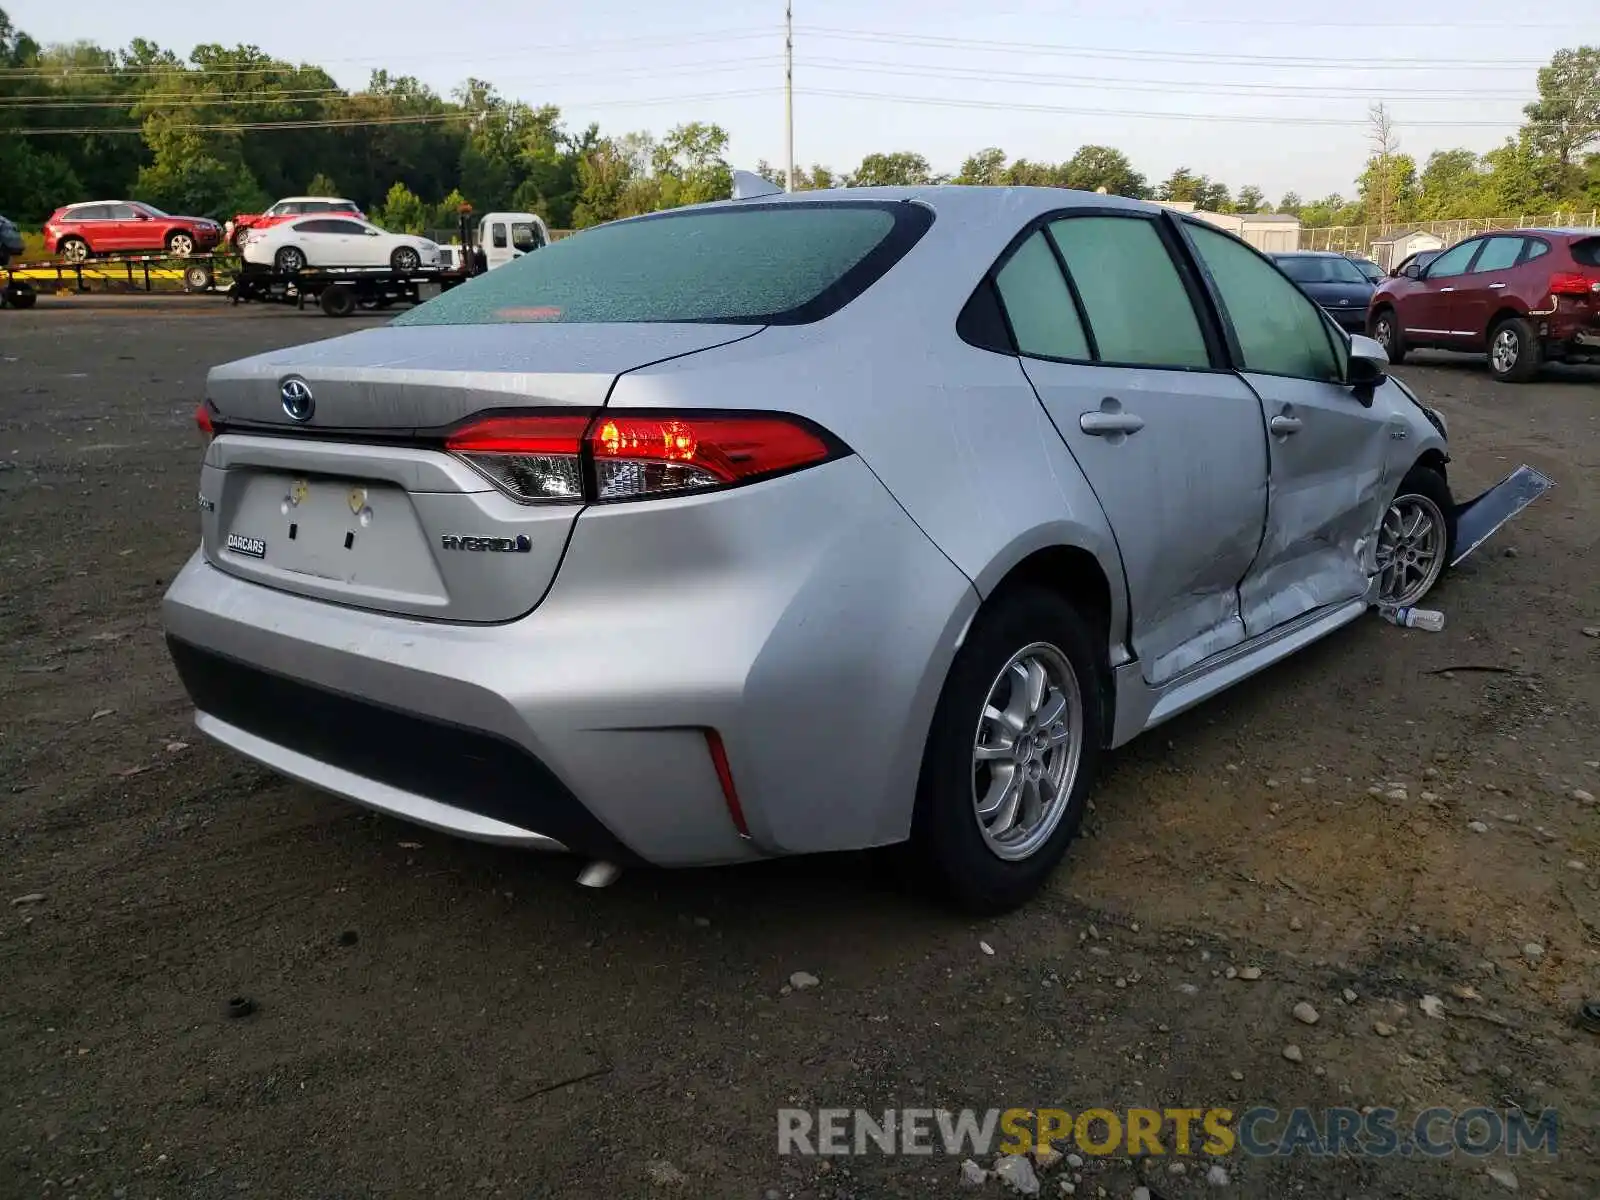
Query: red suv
point(125, 226)
point(1525, 297)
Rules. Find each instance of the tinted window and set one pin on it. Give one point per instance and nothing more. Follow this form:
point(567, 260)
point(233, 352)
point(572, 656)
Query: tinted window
point(1587, 252)
point(497, 234)
point(1536, 248)
point(1280, 332)
point(89, 212)
point(121, 212)
point(1453, 261)
point(752, 264)
point(1498, 254)
point(319, 226)
point(1138, 309)
point(346, 227)
point(1305, 268)
point(1038, 303)
point(525, 236)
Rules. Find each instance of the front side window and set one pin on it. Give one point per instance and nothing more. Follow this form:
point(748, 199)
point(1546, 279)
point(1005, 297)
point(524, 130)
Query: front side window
point(1498, 254)
point(1044, 321)
point(280, 210)
point(1280, 332)
point(1138, 309)
point(781, 263)
point(1453, 262)
point(122, 212)
point(524, 236)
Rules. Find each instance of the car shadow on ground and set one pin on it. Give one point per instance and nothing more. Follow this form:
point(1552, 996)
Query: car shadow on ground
point(1476, 364)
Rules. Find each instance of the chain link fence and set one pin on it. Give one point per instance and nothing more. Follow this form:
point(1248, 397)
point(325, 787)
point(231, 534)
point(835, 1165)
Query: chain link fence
point(1359, 239)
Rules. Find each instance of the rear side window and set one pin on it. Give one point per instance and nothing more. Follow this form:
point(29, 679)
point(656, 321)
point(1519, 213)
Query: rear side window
point(1138, 309)
point(784, 263)
point(1044, 321)
point(1585, 253)
point(89, 212)
point(497, 232)
point(1498, 254)
point(1280, 331)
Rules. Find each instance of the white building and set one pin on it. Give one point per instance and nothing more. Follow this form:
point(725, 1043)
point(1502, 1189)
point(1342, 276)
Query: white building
point(1389, 250)
point(1271, 233)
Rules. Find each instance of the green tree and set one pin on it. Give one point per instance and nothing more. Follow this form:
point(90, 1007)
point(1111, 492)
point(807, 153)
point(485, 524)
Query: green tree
point(402, 211)
point(1452, 184)
point(1565, 119)
point(1522, 178)
point(1388, 188)
point(1251, 199)
point(985, 168)
point(1291, 204)
point(1024, 173)
point(321, 185)
point(902, 168)
point(690, 167)
point(1183, 186)
point(1096, 167)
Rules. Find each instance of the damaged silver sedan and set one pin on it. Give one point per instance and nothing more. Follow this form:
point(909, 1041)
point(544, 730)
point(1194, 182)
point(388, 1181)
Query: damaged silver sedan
point(797, 523)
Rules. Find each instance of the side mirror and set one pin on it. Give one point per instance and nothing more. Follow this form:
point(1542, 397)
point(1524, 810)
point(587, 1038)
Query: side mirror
point(1412, 270)
point(1368, 367)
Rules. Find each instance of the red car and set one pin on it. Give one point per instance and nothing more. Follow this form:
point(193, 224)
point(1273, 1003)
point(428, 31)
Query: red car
point(124, 227)
point(1524, 297)
point(287, 209)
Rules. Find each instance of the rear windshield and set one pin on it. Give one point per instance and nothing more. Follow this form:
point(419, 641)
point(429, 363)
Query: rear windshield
point(737, 264)
point(1587, 252)
point(1321, 270)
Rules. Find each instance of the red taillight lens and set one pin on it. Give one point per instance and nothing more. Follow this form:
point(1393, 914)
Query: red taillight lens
point(202, 418)
point(1574, 283)
point(536, 459)
point(638, 455)
point(634, 455)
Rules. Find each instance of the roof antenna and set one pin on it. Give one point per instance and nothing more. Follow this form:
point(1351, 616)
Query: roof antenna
point(747, 186)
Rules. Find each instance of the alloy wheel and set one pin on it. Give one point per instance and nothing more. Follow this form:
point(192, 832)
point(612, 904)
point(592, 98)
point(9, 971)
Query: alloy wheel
point(1505, 350)
point(1026, 751)
point(1383, 332)
point(182, 245)
point(1411, 541)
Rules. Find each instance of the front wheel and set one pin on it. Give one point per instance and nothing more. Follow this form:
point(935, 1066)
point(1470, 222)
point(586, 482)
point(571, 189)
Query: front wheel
point(1416, 538)
point(405, 260)
point(1386, 332)
point(1515, 352)
point(1012, 753)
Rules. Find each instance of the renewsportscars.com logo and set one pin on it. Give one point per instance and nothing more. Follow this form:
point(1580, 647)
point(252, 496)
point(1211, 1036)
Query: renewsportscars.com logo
point(1214, 1132)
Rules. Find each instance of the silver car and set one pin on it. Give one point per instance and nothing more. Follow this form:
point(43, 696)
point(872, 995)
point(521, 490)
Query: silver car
point(796, 524)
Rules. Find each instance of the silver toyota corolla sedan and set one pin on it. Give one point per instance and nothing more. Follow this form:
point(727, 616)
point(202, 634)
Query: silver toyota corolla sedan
point(796, 524)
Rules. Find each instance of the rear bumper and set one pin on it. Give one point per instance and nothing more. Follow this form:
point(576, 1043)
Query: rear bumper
point(806, 620)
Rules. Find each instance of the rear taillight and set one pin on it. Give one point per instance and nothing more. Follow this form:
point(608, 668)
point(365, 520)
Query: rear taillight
point(1574, 283)
point(534, 459)
point(202, 419)
point(565, 458)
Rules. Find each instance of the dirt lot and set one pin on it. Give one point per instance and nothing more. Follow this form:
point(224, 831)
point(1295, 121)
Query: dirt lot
point(421, 1001)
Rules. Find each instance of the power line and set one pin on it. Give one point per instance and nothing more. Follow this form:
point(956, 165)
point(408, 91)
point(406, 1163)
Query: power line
point(1338, 62)
point(366, 122)
point(306, 95)
point(1186, 87)
point(523, 52)
point(1176, 117)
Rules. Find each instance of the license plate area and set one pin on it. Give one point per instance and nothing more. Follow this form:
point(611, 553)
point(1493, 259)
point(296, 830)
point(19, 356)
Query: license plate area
point(360, 536)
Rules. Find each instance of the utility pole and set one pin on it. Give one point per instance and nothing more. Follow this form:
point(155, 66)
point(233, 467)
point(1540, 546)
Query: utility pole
point(788, 91)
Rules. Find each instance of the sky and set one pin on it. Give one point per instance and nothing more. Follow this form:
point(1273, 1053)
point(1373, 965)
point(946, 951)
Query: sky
point(1275, 96)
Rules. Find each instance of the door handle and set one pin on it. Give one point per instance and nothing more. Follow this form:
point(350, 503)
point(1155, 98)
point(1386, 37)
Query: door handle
point(1444, 290)
point(1496, 286)
point(1101, 423)
point(1284, 426)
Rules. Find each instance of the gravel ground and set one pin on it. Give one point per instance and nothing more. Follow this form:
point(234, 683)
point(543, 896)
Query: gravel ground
point(1390, 815)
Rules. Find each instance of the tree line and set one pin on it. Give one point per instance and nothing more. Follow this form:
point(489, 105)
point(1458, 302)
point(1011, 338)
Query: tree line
point(228, 130)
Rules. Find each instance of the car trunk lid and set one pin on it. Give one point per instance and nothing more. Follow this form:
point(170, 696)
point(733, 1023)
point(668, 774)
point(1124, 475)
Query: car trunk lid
point(358, 503)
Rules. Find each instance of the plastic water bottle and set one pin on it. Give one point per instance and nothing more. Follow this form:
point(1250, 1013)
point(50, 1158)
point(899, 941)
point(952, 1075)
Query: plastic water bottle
point(1414, 618)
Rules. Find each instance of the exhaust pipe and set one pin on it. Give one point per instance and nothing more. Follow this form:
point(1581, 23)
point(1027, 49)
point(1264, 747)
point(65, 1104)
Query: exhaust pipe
point(599, 874)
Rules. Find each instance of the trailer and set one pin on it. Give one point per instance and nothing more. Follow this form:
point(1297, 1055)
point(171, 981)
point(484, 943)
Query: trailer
point(124, 272)
point(339, 291)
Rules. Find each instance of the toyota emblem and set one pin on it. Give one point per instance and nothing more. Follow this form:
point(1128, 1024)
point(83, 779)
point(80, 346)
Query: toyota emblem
point(297, 398)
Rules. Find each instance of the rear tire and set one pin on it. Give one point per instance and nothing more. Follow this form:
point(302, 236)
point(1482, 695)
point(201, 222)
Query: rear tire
point(74, 249)
point(289, 260)
point(1386, 332)
point(1515, 351)
point(963, 769)
point(337, 300)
